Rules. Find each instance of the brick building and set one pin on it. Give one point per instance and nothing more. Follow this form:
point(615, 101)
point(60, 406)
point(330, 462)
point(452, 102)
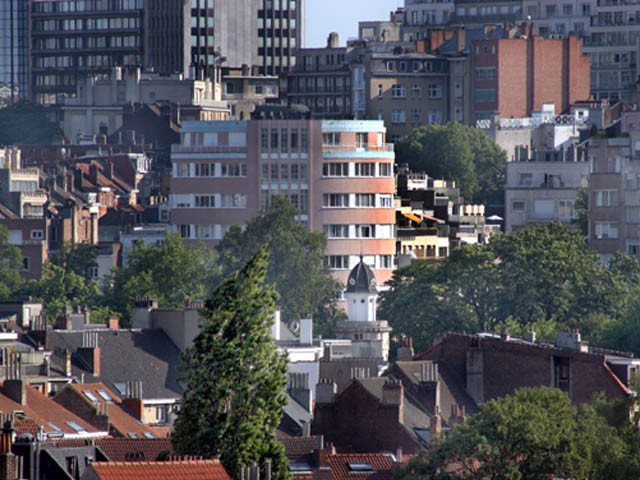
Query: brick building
point(516, 76)
point(492, 366)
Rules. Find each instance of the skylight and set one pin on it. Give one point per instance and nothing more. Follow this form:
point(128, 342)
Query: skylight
point(105, 395)
point(76, 427)
point(148, 434)
point(90, 395)
point(55, 427)
point(360, 467)
point(132, 435)
point(300, 466)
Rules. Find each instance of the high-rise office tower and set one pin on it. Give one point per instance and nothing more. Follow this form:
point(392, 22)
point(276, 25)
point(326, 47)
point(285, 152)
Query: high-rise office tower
point(14, 47)
point(265, 33)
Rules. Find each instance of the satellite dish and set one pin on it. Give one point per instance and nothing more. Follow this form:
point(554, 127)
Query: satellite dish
point(294, 326)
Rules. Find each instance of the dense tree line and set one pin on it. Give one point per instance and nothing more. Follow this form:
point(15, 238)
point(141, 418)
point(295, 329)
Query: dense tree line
point(173, 273)
point(535, 434)
point(542, 278)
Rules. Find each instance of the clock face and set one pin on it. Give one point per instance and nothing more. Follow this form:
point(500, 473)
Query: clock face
point(352, 281)
point(373, 282)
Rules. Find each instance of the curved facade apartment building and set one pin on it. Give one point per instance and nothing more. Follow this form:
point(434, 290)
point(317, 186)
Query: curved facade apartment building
point(338, 173)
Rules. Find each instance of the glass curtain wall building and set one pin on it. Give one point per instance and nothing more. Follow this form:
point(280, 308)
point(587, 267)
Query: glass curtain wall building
point(14, 50)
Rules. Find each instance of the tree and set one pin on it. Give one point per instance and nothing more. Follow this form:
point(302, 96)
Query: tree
point(26, 122)
point(460, 153)
point(533, 434)
point(542, 278)
point(234, 377)
point(10, 266)
point(297, 267)
point(169, 272)
point(79, 258)
point(582, 211)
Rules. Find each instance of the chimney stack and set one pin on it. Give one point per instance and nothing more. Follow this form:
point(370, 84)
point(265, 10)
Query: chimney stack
point(89, 353)
point(326, 391)
point(306, 331)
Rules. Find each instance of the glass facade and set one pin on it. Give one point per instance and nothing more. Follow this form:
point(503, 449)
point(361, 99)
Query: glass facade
point(14, 50)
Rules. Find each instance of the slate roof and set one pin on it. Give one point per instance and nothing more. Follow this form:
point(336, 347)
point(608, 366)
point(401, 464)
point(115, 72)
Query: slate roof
point(361, 279)
point(296, 447)
point(175, 470)
point(125, 355)
point(413, 415)
point(43, 411)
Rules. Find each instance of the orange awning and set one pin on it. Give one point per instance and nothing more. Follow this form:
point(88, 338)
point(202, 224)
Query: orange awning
point(413, 217)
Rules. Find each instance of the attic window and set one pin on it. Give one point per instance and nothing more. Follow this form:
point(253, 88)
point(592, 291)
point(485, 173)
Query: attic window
point(300, 467)
point(105, 395)
point(148, 434)
point(55, 427)
point(360, 467)
point(76, 427)
point(90, 395)
point(132, 435)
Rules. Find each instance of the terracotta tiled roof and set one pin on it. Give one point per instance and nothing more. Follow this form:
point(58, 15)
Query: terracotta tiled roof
point(175, 470)
point(120, 417)
point(127, 449)
point(45, 412)
point(381, 465)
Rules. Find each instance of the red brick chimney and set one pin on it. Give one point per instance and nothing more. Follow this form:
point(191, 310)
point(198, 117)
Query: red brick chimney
point(113, 323)
point(8, 461)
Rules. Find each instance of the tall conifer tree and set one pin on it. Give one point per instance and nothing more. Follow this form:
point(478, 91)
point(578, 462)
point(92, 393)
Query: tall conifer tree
point(235, 378)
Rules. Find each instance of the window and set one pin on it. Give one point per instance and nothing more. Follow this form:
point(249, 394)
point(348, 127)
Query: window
point(606, 198)
point(105, 395)
point(605, 230)
point(485, 73)
point(274, 139)
point(336, 231)
point(517, 206)
point(185, 231)
point(379, 91)
point(385, 262)
point(234, 200)
point(76, 427)
point(398, 116)
point(544, 208)
point(264, 138)
point(205, 201)
point(204, 169)
point(435, 91)
point(526, 179)
point(331, 139)
point(183, 169)
point(385, 201)
point(90, 395)
point(234, 170)
point(284, 137)
point(435, 116)
point(633, 214)
point(416, 114)
point(398, 91)
point(304, 139)
point(485, 95)
point(338, 262)
point(365, 169)
point(148, 435)
point(365, 200)
point(362, 139)
point(26, 263)
point(566, 209)
point(335, 200)
point(416, 91)
point(385, 169)
point(335, 170)
point(365, 231)
point(37, 234)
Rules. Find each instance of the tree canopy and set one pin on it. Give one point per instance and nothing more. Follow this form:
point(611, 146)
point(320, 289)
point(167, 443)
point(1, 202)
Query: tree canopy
point(10, 266)
point(26, 122)
point(297, 267)
point(533, 434)
point(234, 377)
point(542, 278)
point(169, 272)
point(457, 152)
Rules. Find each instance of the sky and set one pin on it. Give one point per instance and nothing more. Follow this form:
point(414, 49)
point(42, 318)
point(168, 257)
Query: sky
point(342, 16)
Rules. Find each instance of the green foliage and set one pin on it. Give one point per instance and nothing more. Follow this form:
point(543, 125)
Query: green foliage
point(59, 288)
point(169, 272)
point(582, 211)
point(533, 434)
point(79, 258)
point(541, 278)
point(26, 122)
point(457, 152)
point(234, 377)
point(297, 267)
point(10, 266)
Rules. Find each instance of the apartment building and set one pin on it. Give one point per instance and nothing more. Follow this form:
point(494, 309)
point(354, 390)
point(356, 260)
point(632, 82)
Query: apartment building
point(542, 186)
point(614, 196)
point(516, 76)
point(338, 173)
point(243, 88)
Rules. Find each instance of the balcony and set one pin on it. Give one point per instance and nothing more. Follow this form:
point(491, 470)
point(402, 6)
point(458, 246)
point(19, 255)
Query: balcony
point(387, 147)
point(207, 149)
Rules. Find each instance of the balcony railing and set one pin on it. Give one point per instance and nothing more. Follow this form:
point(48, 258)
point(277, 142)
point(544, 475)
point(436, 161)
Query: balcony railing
point(207, 149)
point(387, 147)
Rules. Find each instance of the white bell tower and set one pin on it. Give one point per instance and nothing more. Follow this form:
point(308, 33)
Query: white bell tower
point(361, 294)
